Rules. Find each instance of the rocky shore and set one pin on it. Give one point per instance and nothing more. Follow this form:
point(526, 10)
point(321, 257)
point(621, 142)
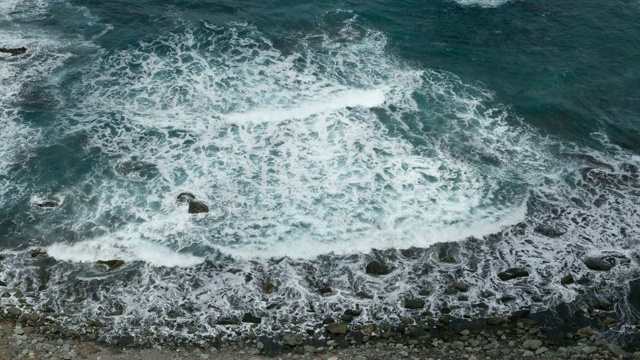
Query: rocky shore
point(33, 335)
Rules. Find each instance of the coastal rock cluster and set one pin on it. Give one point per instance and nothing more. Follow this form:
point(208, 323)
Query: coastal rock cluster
point(195, 206)
point(14, 51)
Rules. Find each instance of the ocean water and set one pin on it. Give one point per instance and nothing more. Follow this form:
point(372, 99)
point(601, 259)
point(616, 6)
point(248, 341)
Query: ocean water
point(323, 135)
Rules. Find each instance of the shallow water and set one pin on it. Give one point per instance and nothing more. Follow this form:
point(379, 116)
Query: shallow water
point(322, 135)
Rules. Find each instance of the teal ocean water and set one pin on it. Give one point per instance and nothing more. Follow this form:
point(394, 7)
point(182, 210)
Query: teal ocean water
point(449, 139)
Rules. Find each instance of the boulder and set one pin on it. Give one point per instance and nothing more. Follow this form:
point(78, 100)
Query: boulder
point(337, 328)
point(532, 344)
point(324, 290)
point(513, 273)
point(615, 349)
point(228, 321)
point(292, 339)
point(269, 288)
point(567, 280)
point(458, 287)
point(377, 268)
point(14, 311)
point(413, 304)
point(110, 264)
point(250, 318)
point(549, 231)
point(185, 197)
point(38, 253)
point(197, 207)
point(14, 51)
point(47, 204)
point(598, 264)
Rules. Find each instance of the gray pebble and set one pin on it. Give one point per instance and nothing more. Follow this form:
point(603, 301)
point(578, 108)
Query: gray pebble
point(260, 345)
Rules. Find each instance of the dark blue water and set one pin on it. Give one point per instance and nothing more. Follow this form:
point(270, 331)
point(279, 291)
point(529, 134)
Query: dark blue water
point(321, 135)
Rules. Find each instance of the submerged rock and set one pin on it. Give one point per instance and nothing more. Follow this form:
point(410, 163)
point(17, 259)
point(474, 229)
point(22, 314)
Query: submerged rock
point(269, 288)
point(337, 328)
point(414, 303)
point(549, 231)
point(513, 273)
point(250, 318)
point(14, 51)
point(110, 264)
point(458, 287)
point(567, 280)
point(185, 197)
point(39, 253)
point(228, 321)
point(598, 264)
point(47, 204)
point(377, 268)
point(197, 207)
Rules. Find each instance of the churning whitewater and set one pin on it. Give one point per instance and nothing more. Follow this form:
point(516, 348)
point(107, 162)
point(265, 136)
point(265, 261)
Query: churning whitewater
point(316, 153)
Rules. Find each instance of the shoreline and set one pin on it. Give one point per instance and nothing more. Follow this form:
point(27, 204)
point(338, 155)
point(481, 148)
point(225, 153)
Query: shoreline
point(559, 333)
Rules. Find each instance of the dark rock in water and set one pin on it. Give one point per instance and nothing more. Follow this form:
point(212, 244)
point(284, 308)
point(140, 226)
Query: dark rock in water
point(364, 295)
point(111, 264)
point(125, 340)
point(14, 51)
point(197, 207)
point(414, 303)
point(292, 339)
point(38, 253)
point(567, 280)
point(185, 197)
point(140, 169)
point(269, 288)
point(337, 328)
point(228, 321)
point(598, 264)
point(249, 318)
point(446, 254)
point(14, 311)
point(496, 321)
point(47, 204)
point(328, 320)
point(604, 306)
point(324, 290)
point(352, 312)
point(2, 283)
point(634, 294)
point(377, 268)
point(346, 318)
point(549, 231)
point(513, 273)
point(458, 287)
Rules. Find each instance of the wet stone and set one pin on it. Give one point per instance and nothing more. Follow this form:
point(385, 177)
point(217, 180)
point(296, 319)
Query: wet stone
point(567, 280)
point(337, 328)
point(110, 264)
point(250, 318)
point(377, 268)
point(185, 197)
point(598, 264)
point(532, 344)
point(414, 303)
point(197, 207)
point(513, 273)
point(292, 339)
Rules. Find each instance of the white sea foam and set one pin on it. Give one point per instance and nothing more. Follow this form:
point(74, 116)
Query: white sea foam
point(332, 146)
point(296, 158)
